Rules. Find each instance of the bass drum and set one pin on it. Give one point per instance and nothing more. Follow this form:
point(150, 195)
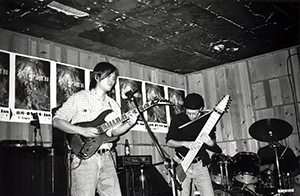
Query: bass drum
point(246, 167)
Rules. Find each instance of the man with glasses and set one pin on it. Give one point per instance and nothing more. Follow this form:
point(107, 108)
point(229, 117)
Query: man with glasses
point(182, 138)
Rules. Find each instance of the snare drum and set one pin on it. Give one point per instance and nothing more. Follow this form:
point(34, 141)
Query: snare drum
point(221, 169)
point(246, 167)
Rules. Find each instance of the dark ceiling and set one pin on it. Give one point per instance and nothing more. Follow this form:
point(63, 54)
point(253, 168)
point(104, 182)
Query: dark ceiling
point(181, 36)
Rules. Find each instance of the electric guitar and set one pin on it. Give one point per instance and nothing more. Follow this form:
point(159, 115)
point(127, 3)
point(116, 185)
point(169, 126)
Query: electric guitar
point(220, 108)
point(85, 147)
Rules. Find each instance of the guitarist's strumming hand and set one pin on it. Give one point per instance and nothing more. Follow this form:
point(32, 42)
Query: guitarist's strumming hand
point(197, 144)
point(90, 132)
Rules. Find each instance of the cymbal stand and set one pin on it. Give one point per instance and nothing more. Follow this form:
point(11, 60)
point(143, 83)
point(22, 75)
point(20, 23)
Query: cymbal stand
point(274, 146)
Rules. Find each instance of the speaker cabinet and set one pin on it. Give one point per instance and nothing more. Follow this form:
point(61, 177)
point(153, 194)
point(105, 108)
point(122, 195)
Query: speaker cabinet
point(31, 171)
point(138, 177)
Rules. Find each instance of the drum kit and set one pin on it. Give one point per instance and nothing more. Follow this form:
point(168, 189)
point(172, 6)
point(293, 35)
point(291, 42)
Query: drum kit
point(240, 175)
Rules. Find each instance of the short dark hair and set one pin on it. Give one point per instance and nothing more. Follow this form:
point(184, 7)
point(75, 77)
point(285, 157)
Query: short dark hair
point(193, 101)
point(102, 70)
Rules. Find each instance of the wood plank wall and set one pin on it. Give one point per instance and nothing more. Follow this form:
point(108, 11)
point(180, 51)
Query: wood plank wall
point(259, 88)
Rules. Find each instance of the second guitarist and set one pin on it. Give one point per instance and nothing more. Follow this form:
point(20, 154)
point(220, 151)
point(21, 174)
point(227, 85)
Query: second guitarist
point(97, 173)
point(182, 138)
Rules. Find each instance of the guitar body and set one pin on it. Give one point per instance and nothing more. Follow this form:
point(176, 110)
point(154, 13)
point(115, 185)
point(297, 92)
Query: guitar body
point(85, 147)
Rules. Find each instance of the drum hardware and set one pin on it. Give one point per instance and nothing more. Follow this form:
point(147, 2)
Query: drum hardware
point(271, 131)
point(221, 169)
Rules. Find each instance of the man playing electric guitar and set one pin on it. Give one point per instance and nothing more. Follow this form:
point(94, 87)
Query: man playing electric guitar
point(97, 172)
point(182, 138)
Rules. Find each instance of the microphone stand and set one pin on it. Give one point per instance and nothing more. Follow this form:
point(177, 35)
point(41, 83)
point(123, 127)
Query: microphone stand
point(169, 163)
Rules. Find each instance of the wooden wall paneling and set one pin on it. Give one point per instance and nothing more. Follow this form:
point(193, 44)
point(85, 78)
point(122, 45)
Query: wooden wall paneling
point(276, 96)
point(99, 58)
point(258, 94)
point(264, 113)
point(72, 56)
point(56, 53)
point(210, 94)
point(5, 40)
point(221, 81)
point(243, 100)
point(195, 83)
point(247, 108)
point(224, 126)
point(123, 66)
point(233, 83)
point(19, 44)
point(44, 49)
point(286, 113)
point(244, 145)
point(285, 88)
point(178, 81)
point(149, 74)
point(137, 71)
point(294, 67)
point(87, 60)
point(268, 66)
point(164, 78)
point(33, 47)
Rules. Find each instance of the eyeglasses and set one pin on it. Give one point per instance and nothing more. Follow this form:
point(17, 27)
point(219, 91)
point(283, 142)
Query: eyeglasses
point(192, 112)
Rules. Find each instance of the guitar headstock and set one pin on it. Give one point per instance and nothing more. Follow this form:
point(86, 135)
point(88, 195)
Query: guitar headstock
point(223, 104)
point(161, 101)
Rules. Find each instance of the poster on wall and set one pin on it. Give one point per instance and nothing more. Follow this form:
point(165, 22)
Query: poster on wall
point(158, 113)
point(176, 96)
point(32, 89)
point(69, 80)
point(126, 88)
point(4, 86)
point(156, 116)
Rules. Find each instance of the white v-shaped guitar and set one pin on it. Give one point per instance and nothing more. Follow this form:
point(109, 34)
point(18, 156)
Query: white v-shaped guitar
point(220, 108)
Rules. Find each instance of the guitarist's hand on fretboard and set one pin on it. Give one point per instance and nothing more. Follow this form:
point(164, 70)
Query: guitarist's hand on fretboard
point(207, 140)
point(133, 116)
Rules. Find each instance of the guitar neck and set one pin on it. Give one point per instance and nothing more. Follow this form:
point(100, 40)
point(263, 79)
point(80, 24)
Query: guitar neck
point(117, 121)
point(188, 159)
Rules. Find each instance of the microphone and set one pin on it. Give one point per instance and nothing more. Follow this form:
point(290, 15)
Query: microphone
point(35, 122)
point(129, 94)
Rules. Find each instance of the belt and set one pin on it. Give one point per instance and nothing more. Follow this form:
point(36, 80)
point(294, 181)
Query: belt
point(195, 160)
point(102, 151)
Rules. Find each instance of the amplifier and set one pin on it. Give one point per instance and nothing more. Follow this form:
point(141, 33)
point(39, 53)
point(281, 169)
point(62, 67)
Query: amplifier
point(123, 161)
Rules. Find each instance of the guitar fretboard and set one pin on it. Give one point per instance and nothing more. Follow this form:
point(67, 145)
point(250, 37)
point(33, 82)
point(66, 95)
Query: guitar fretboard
point(117, 121)
point(214, 117)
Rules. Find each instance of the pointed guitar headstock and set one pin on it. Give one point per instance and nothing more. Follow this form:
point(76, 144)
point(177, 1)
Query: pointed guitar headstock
point(223, 104)
point(161, 101)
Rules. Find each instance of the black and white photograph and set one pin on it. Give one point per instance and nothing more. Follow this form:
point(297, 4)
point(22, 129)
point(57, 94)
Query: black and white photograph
point(150, 98)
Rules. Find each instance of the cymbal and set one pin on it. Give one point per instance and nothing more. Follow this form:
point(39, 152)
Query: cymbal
point(270, 130)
